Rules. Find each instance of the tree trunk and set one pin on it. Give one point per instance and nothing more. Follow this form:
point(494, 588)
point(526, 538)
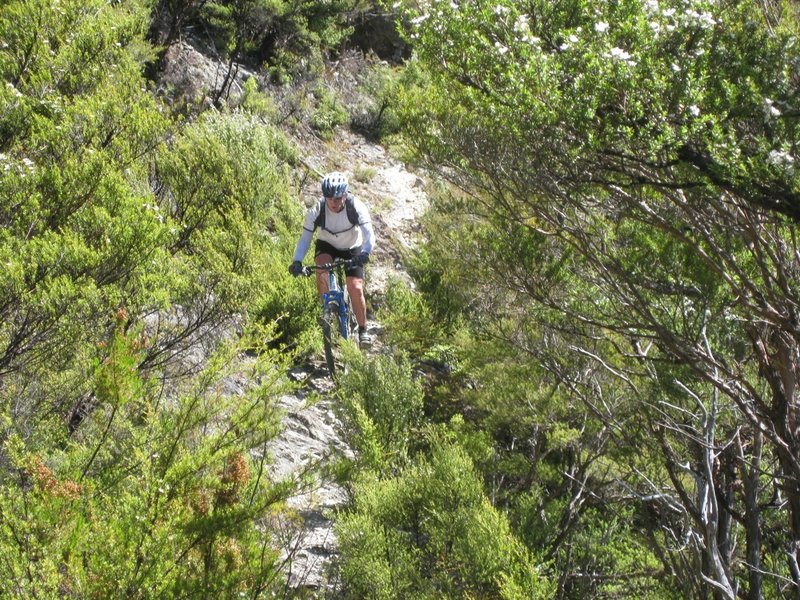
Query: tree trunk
point(750, 470)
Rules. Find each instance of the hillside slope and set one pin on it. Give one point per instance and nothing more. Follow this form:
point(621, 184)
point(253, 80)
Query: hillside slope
point(311, 434)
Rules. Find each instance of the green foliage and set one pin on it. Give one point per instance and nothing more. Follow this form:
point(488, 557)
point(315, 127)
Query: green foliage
point(227, 181)
point(420, 526)
point(292, 303)
point(628, 171)
point(75, 145)
point(289, 37)
point(122, 473)
point(408, 319)
point(239, 159)
point(429, 533)
point(377, 116)
point(328, 114)
point(257, 103)
point(382, 407)
point(152, 497)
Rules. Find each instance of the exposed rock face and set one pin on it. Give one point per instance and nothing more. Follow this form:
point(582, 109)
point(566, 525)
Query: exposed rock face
point(311, 435)
point(190, 76)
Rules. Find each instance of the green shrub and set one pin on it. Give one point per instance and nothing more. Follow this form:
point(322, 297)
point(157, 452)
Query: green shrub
point(81, 231)
point(257, 103)
point(375, 115)
point(408, 320)
point(429, 533)
point(329, 113)
point(152, 497)
point(292, 303)
point(382, 406)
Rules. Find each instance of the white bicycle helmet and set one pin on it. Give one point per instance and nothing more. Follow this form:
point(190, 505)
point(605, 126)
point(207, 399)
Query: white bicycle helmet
point(334, 185)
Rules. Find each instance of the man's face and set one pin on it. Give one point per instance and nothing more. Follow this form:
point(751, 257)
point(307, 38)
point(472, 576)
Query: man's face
point(335, 204)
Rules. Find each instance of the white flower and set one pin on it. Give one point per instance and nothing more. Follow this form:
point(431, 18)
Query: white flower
point(601, 27)
point(780, 158)
point(707, 20)
point(619, 54)
point(669, 12)
point(676, 68)
point(694, 110)
point(521, 26)
point(15, 91)
point(573, 39)
point(500, 10)
point(704, 20)
point(771, 108)
point(500, 48)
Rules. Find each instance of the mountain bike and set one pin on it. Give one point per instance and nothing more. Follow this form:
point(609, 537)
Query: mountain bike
point(338, 321)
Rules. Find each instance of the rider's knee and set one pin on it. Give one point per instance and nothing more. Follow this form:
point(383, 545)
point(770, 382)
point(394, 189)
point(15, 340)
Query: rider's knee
point(355, 284)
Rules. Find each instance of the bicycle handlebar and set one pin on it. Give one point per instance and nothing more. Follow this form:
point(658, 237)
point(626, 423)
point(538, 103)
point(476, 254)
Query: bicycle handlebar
point(337, 262)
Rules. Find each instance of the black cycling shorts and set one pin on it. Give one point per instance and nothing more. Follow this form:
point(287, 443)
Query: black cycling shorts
point(326, 248)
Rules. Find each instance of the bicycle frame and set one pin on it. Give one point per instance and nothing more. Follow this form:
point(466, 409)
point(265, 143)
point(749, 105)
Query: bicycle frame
point(335, 305)
point(336, 299)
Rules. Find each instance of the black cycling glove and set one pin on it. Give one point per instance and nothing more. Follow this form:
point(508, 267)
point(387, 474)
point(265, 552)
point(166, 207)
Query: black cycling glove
point(296, 268)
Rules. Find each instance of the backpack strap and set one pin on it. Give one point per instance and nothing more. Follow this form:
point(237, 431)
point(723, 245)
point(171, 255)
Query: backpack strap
point(350, 207)
point(319, 222)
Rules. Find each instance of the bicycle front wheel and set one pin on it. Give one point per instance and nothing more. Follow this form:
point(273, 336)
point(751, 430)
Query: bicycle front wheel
point(330, 338)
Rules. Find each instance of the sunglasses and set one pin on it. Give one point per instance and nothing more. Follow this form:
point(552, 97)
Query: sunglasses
point(336, 198)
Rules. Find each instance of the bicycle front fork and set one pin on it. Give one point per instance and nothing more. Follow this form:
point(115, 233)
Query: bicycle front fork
point(334, 300)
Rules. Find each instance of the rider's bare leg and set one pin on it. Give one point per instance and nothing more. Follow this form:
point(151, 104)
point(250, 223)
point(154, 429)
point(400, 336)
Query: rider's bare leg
point(355, 287)
point(322, 276)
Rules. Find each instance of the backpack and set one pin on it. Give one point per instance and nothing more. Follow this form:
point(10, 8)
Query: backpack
point(349, 206)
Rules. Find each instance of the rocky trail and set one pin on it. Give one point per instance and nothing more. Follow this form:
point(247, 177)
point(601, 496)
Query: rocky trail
point(311, 432)
point(396, 198)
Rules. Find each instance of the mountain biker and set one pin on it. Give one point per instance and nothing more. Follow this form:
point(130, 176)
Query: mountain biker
point(345, 231)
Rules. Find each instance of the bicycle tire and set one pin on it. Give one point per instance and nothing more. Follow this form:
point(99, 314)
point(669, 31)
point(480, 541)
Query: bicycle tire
point(330, 337)
point(350, 324)
point(352, 327)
